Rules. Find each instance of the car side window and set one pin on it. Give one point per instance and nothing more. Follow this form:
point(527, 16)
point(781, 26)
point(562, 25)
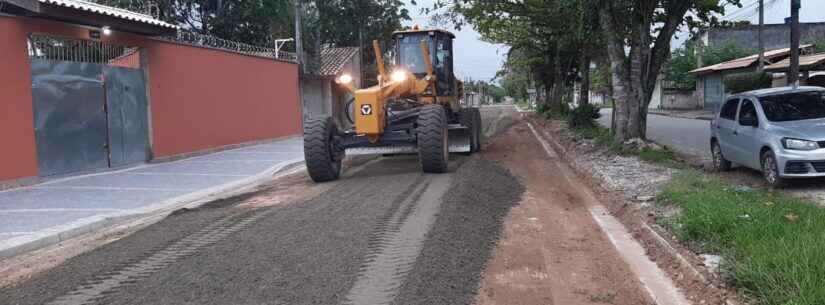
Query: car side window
point(747, 112)
point(729, 110)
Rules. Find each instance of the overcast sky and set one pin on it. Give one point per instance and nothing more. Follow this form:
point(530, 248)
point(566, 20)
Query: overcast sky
point(480, 60)
point(473, 58)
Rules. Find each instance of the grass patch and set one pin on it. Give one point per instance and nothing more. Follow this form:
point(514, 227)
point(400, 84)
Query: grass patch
point(664, 157)
point(604, 137)
point(656, 155)
point(773, 245)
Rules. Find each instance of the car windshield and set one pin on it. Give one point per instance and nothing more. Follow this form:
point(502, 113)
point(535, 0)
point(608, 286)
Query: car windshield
point(794, 106)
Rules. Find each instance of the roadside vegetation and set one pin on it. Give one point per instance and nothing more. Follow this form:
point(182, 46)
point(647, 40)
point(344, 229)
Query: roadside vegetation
point(522, 104)
point(772, 245)
point(582, 122)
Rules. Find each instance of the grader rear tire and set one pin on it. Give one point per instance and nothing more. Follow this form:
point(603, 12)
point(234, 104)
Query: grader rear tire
point(433, 142)
point(323, 160)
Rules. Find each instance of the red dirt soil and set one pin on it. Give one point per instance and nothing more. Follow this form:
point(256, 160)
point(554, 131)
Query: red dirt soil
point(552, 251)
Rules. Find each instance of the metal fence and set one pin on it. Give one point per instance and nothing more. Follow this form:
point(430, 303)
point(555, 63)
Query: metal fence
point(78, 50)
point(206, 41)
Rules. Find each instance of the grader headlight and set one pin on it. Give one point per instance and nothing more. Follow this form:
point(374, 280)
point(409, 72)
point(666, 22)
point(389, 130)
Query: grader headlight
point(399, 76)
point(344, 79)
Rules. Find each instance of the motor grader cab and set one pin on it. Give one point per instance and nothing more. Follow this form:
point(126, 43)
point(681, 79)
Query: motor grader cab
point(415, 108)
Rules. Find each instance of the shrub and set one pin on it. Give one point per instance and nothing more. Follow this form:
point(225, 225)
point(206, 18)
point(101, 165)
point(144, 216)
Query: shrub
point(583, 116)
point(542, 108)
point(738, 83)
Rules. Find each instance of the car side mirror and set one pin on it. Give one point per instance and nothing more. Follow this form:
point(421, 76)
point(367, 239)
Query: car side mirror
point(749, 121)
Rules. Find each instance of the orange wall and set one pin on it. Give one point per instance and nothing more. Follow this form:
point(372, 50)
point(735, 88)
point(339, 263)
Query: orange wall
point(203, 98)
point(18, 157)
point(199, 98)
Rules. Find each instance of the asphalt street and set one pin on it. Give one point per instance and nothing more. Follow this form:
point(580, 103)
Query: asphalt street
point(687, 136)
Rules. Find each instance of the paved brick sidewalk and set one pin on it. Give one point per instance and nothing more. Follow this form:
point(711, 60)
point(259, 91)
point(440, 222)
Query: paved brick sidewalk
point(47, 213)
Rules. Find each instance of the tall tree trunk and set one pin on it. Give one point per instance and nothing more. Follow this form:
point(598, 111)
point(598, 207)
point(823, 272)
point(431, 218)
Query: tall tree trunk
point(554, 97)
point(634, 129)
point(548, 95)
point(619, 75)
point(584, 87)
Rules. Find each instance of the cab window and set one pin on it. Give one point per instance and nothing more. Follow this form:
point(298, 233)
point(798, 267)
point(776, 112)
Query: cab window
point(729, 109)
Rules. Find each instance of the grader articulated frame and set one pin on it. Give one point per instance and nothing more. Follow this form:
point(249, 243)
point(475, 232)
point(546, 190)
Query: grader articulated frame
point(415, 109)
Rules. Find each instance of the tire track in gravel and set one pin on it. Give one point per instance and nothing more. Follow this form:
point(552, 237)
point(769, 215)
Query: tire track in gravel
point(308, 252)
point(398, 245)
point(189, 245)
point(389, 225)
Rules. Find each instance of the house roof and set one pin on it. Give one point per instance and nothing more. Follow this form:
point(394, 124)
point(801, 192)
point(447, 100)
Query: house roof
point(88, 13)
point(333, 60)
point(745, 62)
point(108, 11)
point(806, 62)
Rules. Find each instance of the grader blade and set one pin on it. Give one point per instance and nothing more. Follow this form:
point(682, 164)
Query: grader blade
point(383, 150)
point(459, 137)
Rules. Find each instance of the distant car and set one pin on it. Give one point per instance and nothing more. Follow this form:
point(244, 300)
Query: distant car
point(779, 131)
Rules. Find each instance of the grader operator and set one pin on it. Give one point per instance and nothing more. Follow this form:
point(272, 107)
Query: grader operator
point(414, 109)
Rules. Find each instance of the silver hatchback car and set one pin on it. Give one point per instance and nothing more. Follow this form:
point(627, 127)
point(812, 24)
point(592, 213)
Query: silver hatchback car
point(779, 131)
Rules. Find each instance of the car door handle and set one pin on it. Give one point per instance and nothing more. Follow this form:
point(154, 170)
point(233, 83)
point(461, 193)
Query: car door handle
point(735, 132)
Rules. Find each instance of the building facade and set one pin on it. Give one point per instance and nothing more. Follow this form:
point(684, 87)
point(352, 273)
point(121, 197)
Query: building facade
point(102, 88)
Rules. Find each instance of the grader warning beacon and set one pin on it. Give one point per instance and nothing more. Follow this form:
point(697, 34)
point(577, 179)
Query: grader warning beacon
point(415, 109)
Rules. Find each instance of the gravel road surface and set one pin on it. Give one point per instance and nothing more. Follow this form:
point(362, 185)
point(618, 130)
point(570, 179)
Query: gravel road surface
point(383, 234)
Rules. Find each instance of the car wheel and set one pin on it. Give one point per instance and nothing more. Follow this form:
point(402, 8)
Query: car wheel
point(720, 164)
point(770, 170)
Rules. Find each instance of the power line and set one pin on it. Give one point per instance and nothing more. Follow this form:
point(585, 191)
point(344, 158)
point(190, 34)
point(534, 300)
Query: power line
point(741, 11)
point(748, 12)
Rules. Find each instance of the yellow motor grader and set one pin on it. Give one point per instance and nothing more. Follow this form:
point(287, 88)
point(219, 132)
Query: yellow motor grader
point(414, 109)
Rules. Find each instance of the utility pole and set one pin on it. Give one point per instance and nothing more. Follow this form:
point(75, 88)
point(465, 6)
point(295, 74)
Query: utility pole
point(299, 43)
point(761, 37)
point(793, 74)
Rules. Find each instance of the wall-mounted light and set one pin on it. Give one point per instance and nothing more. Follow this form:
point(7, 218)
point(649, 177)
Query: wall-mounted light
point(107, 30)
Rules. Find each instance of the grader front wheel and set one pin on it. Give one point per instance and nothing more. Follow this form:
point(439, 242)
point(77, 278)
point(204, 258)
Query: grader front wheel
point(323, 159)
point(433, 144)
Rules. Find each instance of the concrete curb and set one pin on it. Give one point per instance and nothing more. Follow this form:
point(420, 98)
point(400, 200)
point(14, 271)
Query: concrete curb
point(703, 118)
point(154, 212)
point(664, 243)
point(657, 283)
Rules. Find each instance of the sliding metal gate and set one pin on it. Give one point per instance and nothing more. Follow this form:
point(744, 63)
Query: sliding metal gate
point(90, 105)
point(127, 112)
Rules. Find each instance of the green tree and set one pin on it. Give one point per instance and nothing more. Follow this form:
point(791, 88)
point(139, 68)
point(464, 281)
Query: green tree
point(638, 46)
point(255, 22)
point(349, 22)
point(685, 59)
point(556, 40)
